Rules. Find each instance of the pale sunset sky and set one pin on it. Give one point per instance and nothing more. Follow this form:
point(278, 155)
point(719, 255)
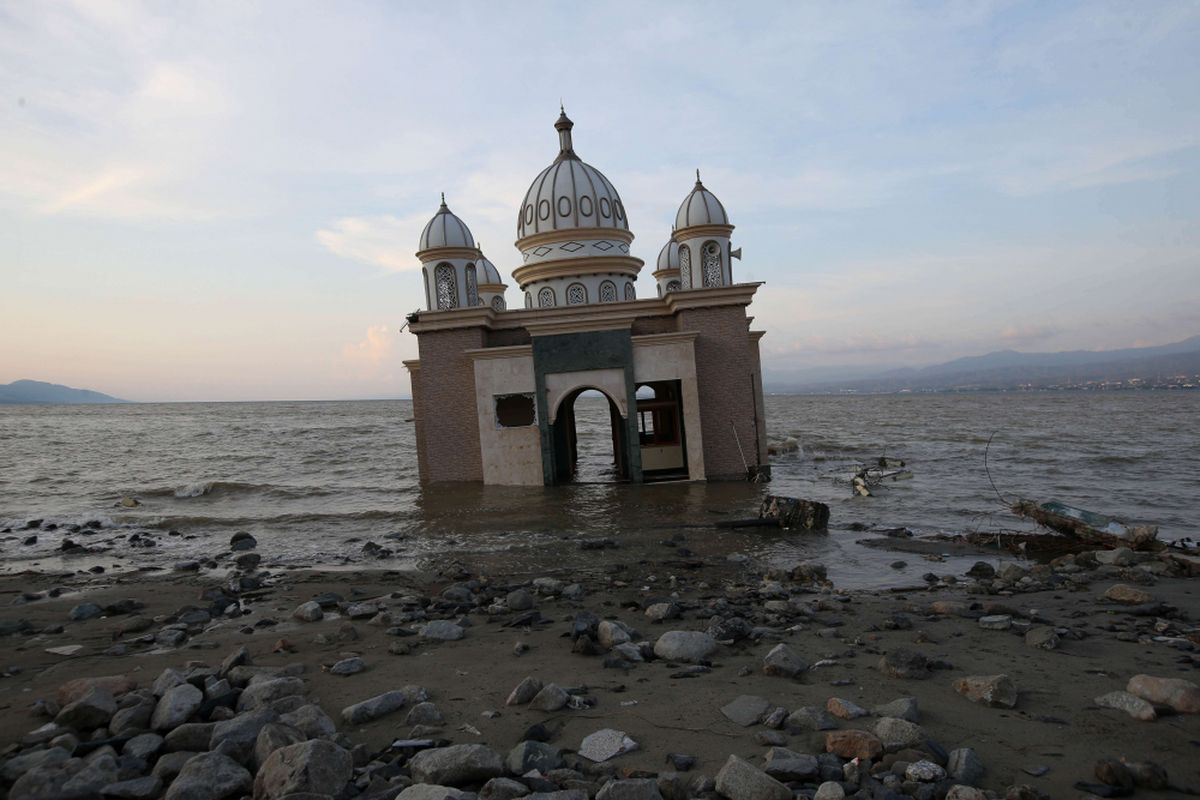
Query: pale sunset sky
point(221, 200)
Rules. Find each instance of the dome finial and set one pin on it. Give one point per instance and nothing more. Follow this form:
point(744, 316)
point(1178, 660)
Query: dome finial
point(698, 176)
point(563, 125)
point(443, 199)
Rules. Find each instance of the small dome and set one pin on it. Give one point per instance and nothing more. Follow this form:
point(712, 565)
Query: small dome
point(487, 270)
point(569, 194)
point(446, 230)
point(700, 207)
point(668, 257)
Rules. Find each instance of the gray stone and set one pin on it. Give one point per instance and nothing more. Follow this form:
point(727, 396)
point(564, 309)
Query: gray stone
point(456, 765)
point(783, 661)
point(144, 788)
point(168, 679)
point(317, 767)
point(532, 755)
point(502, 789)
point(605, 744)
point(190, 736)
point(87, 782)
point(740, 780)
point(904, 663)
point(960, 792)
point(93, 710)
point(169, 765)
point(134, 718)
point(272, 737)
point(1131, 704)
point(424, 714)
point(266, 692)
point(309, 612)
point(611, 633)
point(995, 622)
point(348, 666)
point(688, 646)
point(311, 720)
point(829, 790)
point(924, 771)
point(746, 710)
point(519, 600)
point(176, 707)
point(899, 734)
point(442, 630)
point(552, 697)
point(18, 765)
point(964, 766)
point(787, 765)
point(845, 709)
point(374, 708)
point(811, 718)
point(143, 746)
point(1043, 637)
point(991, 690)
point(428, 791)
point(239, 735)
point(85, 611)
point(209, 776)
point(901, 708)
point(524, 691)
point(563, 794)
point(631, 789)
point(659, 612)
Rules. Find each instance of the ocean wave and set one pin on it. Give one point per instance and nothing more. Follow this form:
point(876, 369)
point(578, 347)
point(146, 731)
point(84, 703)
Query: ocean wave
point(227, 488)
point(181, 521)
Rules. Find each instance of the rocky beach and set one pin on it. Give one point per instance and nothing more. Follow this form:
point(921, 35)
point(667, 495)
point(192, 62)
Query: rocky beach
point(648, 675)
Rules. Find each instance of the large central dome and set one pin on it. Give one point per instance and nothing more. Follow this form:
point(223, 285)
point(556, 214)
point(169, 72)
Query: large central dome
point(569, 194)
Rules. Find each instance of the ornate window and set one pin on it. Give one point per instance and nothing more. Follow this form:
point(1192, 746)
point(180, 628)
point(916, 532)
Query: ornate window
point(672, 286)
point(447, 287)
point(472, 287)
point(528, 300)
point(546, 298)
point(630, 294)
point(712, 265)
point(608, 292)
point(576, 294)
point(498, 303)
point(685, 265)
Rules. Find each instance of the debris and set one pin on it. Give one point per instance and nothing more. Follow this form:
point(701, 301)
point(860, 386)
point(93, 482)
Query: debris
point(1088, 526)
point(791, 512)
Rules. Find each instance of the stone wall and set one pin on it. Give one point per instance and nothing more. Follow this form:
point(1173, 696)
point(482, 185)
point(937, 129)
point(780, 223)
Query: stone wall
point(444, 405)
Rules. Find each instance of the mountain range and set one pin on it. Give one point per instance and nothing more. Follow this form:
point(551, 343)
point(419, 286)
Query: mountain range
point(27, 392)
point(1176, 365)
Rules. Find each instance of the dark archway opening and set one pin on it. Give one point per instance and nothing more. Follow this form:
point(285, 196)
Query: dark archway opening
point(590, 440)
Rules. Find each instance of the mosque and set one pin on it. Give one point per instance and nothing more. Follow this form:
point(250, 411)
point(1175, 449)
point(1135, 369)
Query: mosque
point(494, 388)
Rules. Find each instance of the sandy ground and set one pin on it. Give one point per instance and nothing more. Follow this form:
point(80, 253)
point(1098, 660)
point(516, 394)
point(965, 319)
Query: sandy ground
point(1054, 725)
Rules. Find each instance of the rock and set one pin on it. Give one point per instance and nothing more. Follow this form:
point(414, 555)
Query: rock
point(610, 633)
point(844, 709)
point(950, 608)
point(524, 692)
point(456, 765)
point(238, 736)
point(348, 666)
point(242, 541)
point(311, 720)
point(1042, 636)
point(373, 708)
point(425, 791)
point(1131, 704)
point(169, 765)
point(631, 789)
point(810, 718)
point(176, 706)
point(997, 691)
point(424, 714)
point(84, 611)
point(519, 600)
point(996, 622)
point(964, 766)
point(71, 691)
point(1148, 775)
point(853, 744)
point(746, 710)
point(144, 746)
point(16, 766)
point(783, 661)
point(1128, 595)
point(901, 708)
point(145, 788)
point(904, 663)
point(605, 744)
point(1179, 695)
point(1114, 773)
point(960, 792)
point(267, 691)
point(309, 612)
point(209, 776)
point(442, 630)
point(924, 771)
point(317, 767)
point(687, 646)
point(740, 780)
point(829, 790)
point(93, 710)
point(981, 570)
point(499, 789)
point(532, 755)
point(552, 697)
point(899, 734)
point(190, 737)
point(787, 765)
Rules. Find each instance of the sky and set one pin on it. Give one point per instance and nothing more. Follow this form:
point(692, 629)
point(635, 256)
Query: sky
point(221, 200)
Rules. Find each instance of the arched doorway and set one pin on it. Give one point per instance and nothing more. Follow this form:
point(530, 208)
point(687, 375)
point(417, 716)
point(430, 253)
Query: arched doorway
point(589, 439)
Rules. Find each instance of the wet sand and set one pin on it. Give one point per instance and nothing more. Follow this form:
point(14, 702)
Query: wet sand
point(1055, 724)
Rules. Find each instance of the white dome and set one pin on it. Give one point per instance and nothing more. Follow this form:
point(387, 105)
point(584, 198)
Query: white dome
point(700, 207)
point(487, 270)
point(446, 230)
point(569, 194)
point(668, 257)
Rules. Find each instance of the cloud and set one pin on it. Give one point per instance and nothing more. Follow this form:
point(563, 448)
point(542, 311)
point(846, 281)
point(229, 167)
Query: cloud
point(372, 351)
point(383, 240)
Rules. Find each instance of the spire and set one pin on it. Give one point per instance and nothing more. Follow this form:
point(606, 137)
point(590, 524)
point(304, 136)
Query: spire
point(444, 202)
point(563, 125)
point(698, 183)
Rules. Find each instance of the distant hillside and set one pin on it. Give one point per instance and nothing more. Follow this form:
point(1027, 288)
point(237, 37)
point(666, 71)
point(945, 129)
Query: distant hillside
point(26, 392)
point(1009, 369)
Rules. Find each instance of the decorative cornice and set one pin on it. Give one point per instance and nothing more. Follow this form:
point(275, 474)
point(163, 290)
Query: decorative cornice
point(568, 268)
point(567, 234)
point(737, 294)
point(666, 274)
point(697, 231)
point(443, 253)
point(491, 287)
point(412, 366)
point(578, 324)
point(756, 335)
point(511, 351)
point(652, 339)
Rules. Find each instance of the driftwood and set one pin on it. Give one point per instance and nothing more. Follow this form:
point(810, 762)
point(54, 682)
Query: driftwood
point(1088, 527)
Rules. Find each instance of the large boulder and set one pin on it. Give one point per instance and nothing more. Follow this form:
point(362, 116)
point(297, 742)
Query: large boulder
point(267, 691)
point(176, 706)
point(374, 708)
point(93, 710)
point(1179, 695)
point(317, 767)
point(236, 737)
point(456, 765)
point(691, 646)
point(209, 776)
point(740, 780)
